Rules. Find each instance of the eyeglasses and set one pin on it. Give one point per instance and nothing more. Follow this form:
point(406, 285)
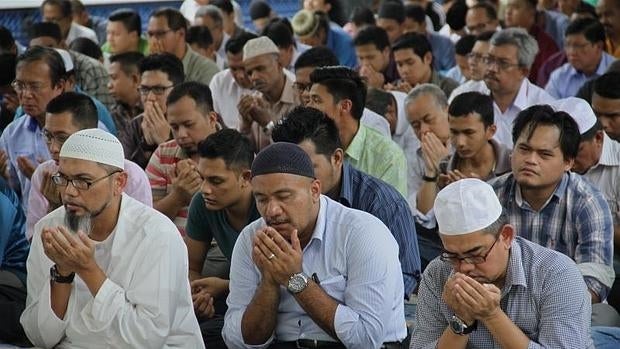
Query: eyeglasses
point(49, 138)
point(158, 33)
point(454, 259)
point(22, 86)
point(302, 87)
point(157, 90)
point(80, 184)
point(501, 64)
point(575, 47)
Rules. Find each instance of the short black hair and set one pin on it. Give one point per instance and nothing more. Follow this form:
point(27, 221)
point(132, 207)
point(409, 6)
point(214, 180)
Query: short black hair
point(48, 29)
point(416, 13)
point(199, 92)
point(379, 100)
point(166, 63)
point(305, 123)
point(485, 36)
point(319, 56)
point(392, 10)
point(7, 42)
point(81, 107)
point(279, 30)
point(129, 62)
point(174, 17)
point(543, 115)
point(87, 47)
point(473, 102)
point(414, 41)
point(77, 7)
point(50, 57)
point(608, 85)
point(488, 8)
point(372, 35)
point(362, 15)
point(229, 145)
point(8, 61)
point(464, 45)
point(64, 5)
point(336, 12)
point(225, 5)
point(235, 44)
point(455, 16)
point(342, 83)
point(591, 29)
point(130, 19)
point(199, 35)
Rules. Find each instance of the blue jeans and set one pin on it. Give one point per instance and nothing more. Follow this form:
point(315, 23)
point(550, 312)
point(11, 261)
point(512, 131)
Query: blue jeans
point(606, 337)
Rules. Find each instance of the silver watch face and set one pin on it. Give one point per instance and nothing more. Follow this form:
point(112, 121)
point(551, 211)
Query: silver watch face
point(297, 283)
point(457, 325)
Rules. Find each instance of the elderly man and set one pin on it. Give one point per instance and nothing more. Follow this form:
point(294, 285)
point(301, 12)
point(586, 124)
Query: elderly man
point(95, 266)
point(577, 221)
point(491, 288)
point(508, 62)
point(348, 253)
point(274, 95)
point(212, 18)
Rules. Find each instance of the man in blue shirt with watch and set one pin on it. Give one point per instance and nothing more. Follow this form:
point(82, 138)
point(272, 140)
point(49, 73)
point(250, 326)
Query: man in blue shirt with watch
point(493, 289)
point(354, 297)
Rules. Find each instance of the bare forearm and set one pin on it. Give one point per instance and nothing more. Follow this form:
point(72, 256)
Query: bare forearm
point(426, 196)
point(505, 332)
point(59, 298)
point(319, 306)
point(170, 204)
point(259, 319)
point(194, 275)
point(450, 340)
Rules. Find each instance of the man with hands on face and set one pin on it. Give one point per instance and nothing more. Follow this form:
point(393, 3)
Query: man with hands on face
point(374, 53)
point(274, 95)
point(105, 270)
point(491, 288)
point(311, 272)
point(173, 168)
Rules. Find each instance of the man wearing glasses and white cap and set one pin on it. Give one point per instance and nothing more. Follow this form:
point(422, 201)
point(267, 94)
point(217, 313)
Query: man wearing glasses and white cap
point(491, 288)
point(104, 270)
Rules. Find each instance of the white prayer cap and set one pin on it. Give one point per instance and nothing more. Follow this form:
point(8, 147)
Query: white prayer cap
point(66, 58)
point(96, 145)
point(579, 110)
point(259, 46)
point(466, 206)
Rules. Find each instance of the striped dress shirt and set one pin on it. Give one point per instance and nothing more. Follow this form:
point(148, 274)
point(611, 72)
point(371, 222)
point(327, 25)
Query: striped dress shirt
point(543, 294)
point(575, 221)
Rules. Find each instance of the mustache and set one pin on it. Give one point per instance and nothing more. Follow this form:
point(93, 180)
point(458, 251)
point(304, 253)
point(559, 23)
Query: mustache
point(272, 222)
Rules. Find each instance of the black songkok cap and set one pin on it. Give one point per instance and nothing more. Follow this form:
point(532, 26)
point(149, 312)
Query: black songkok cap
point(259, 9)
point(392, 10)
point(283, 157)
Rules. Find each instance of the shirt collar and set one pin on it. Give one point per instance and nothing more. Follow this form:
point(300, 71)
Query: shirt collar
point(320, 225)
point(355, 149)
point(32, 124)
point(557, 193)
point(521, 101)
point(288, 96)
point(609, 154)
point(346, 189)
point(515, 274)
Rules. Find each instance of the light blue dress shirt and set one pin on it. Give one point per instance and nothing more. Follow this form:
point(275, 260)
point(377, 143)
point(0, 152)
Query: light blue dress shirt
point(356, 260)
point(566, 80)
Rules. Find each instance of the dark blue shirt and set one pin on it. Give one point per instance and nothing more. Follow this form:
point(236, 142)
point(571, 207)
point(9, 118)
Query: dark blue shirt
point(14, 246)
point(341, 44)
point(372, 195)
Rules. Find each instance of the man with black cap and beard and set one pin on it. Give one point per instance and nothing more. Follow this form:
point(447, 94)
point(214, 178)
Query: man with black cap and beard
point(104, 270)
point(311, 272)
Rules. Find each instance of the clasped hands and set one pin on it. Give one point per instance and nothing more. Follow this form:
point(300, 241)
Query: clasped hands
point(471, 300)
point(276, 258)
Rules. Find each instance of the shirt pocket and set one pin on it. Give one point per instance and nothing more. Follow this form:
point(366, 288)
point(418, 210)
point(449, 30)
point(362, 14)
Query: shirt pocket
point(335, 287)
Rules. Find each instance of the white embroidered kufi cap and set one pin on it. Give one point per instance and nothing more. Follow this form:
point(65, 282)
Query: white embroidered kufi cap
point(95, 145)
point(579, 110)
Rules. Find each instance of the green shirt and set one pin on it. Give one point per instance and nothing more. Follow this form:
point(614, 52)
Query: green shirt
point(205, 225)
point(143, 47)
point(379, 157)
point(198, 68)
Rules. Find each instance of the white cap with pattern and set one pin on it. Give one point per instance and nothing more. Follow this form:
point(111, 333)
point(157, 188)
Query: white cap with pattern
point(261, 45)
point(96, 145)
point(579, 110)
point(466, 206)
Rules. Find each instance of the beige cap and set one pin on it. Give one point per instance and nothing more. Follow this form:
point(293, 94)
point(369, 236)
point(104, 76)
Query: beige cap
point(305, 23)
point(96, 145)
point(466, 206)
point(259, 46)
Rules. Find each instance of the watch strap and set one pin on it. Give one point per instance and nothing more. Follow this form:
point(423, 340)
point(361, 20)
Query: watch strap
point(429, 179)
point(61, 279)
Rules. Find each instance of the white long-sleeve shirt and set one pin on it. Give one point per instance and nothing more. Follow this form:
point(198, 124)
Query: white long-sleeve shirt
point(145, 302)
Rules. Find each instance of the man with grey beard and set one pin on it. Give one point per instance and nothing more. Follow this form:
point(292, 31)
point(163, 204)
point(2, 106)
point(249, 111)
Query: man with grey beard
point(105, 270)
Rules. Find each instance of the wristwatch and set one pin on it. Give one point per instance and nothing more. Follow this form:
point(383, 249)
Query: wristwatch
point(297, 283)
point(269, 127)
point(459, 327)
point(57, 277)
